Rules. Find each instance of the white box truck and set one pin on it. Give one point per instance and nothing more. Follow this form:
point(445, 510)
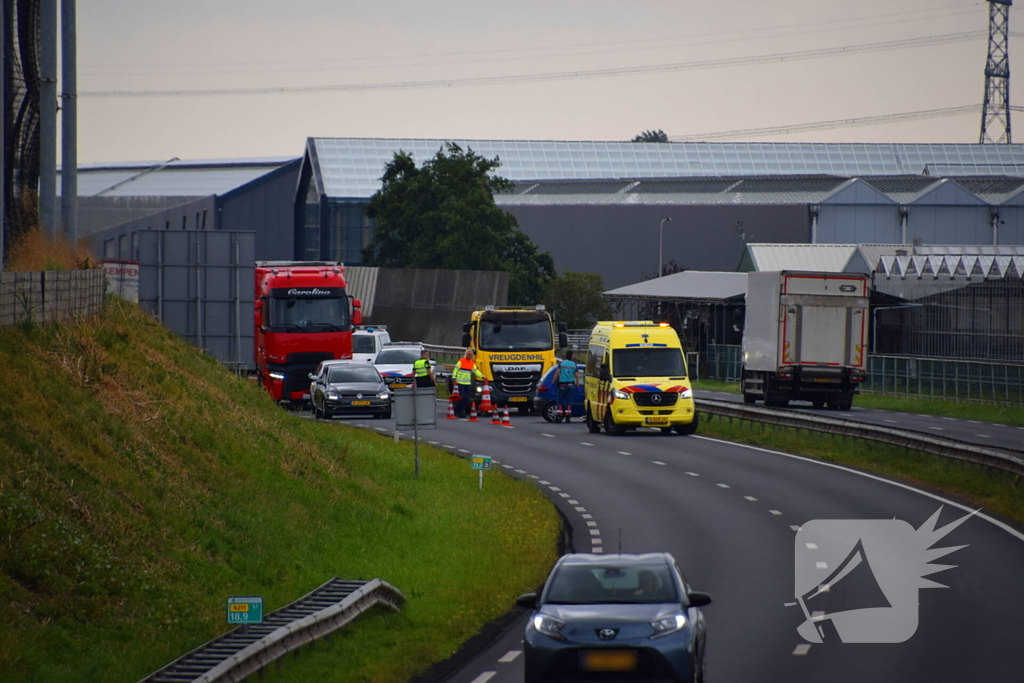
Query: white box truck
point(805, 337)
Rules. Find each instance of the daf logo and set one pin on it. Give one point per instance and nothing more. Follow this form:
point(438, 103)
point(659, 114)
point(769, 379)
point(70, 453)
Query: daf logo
point(656, 399)
point(607, 633)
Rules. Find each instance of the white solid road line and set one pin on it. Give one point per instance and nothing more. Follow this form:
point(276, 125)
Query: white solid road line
point(959, 506)
point(986, 436)
point(488, 675)
point(801, 649)
point(893, 421)
point(510, 656)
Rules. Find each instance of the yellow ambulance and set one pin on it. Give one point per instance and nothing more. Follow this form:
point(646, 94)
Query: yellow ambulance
point(636, 377)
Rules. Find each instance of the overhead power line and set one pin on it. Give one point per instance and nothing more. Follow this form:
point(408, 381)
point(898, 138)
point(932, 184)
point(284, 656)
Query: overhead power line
point(837, 123)
point(561, 75)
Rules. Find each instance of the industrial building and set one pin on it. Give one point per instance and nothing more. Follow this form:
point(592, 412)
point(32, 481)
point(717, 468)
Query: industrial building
point(599, 206)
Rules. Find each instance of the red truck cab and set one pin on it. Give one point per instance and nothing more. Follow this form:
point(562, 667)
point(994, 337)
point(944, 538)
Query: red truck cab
point(303, 315)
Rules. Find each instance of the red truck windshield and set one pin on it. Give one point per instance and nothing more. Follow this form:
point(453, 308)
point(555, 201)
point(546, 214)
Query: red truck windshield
point(308, 315)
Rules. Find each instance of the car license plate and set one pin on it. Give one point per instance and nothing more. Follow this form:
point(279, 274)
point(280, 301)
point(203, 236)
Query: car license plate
point(305, 397)
point(655, 420)
point(822, 379)
point(400, 386)
point(360, 403)
point(608, 660)
point(518, 399)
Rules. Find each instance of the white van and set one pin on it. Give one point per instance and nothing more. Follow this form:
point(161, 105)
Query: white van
point(368, 340)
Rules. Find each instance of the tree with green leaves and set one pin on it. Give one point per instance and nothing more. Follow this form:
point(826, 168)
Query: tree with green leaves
point(442, 215)
point(575, 299)
point(651, 136)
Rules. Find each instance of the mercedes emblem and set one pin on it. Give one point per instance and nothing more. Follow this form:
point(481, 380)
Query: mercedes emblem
point(656, 399)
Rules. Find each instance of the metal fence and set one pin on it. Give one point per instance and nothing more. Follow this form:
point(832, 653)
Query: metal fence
point(722, 362)
point(945, 378)
point(50, 295)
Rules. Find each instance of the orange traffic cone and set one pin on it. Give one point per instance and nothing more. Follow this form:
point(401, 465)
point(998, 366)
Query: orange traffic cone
point(451, 403)
point(495, 418)
point(472, 412)
point(505, 420)
point(485, 403)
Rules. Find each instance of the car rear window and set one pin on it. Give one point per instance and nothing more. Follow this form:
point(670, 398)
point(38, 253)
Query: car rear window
point(575, 584)
point(353, 374)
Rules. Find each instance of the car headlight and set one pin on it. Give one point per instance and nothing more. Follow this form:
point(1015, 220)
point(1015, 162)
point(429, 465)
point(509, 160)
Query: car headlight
point(686, 393)
point(383, 396)
point(620, 394)
point(331, 396)
point(277, 375)
point(663, 627)
point(549, 626)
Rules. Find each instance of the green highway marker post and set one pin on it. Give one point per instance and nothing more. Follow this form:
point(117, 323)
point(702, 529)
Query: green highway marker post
point(245, 611)
point(481, 463)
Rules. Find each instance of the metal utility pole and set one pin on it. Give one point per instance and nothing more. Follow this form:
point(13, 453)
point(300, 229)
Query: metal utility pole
point(995, 112)
point(3, 130)
point(69, 122)
point(48, 117)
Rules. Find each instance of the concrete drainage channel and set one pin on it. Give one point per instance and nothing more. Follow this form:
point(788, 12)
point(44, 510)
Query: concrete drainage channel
point(247, 649)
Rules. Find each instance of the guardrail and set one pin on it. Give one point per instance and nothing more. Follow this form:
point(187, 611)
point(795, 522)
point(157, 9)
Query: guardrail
point(1007, 461)
point(247, 649)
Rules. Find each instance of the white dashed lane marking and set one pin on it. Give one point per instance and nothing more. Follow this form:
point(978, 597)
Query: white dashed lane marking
point(574, 502)
point(893, 421)
point(941, 429)
point(597, 550)
point(550, 436)
point(591, 523)
point(750, 498)
point(984, 436)
point(532, 476)
point(596, 541)
point(554, 488)
point(801, 649)
point(952, 419)
point(595, 532)
point(585, 516)
point(488, 675)
point(564, 495)
point(624, 453)
point(433, 443)
point(776, 512)
point(520, 471)
point(510, 656)
point(693, 474)
point(578, 509)
point(463, 450)
point(657, 462)
point(584, 443)
point(722, 486)
point(544, 483)
point(507, 467)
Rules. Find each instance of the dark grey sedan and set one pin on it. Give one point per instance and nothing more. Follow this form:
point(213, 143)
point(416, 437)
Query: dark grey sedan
point(615, 618)
point(349, 388)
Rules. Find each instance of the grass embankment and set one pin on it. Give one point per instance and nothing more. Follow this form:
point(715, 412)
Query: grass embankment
point(141, 484)
point(990, 489)
point(999, 414)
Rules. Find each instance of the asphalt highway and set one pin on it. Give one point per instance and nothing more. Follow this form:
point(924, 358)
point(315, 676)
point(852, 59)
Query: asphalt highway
point(731, 514)
point(970, 431)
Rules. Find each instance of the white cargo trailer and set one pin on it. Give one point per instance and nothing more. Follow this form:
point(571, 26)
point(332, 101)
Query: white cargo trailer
point(805, 337)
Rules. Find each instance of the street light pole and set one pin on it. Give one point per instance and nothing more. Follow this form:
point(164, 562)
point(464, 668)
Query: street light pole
point(661, 241)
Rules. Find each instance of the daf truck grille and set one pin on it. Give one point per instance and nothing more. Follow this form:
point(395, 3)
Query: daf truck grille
point(516, 382)
point(655, 399)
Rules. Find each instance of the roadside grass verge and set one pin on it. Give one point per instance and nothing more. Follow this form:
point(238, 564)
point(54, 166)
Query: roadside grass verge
point(141, 484)
point(992, 490)
point(999, 414)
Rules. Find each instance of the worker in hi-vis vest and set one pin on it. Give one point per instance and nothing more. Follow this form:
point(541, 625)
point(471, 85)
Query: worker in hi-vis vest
point(422, 371)
point(463, 376)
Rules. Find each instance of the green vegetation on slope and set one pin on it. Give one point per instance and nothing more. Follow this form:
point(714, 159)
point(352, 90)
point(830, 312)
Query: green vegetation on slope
point(141, 484)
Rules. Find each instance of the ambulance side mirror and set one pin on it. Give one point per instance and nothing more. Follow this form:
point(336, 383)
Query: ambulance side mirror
point(605, 376)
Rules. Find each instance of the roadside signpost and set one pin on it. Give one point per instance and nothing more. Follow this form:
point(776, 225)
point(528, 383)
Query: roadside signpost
point(416, 409)
point(481, 463)
point(247, 610)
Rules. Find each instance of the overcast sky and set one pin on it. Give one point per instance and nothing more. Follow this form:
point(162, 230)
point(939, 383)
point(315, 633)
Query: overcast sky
point(224, 45)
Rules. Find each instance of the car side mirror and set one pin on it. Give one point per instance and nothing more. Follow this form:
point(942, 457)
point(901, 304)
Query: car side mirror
point(563, 327)
point(698, 599)
point(312, 376)
point(527, 600)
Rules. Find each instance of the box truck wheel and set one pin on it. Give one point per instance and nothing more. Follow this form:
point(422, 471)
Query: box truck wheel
point(749, 398)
